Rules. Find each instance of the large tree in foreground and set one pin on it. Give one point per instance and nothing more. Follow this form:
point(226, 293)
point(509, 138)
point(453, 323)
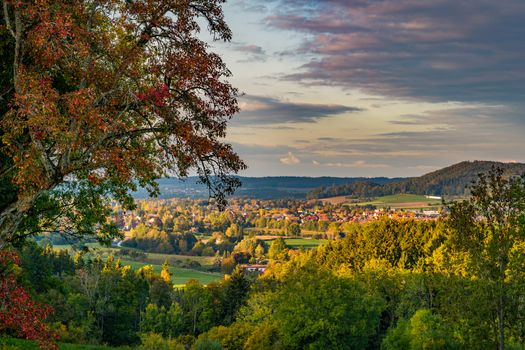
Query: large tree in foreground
point(97, 96)
point(489, 230)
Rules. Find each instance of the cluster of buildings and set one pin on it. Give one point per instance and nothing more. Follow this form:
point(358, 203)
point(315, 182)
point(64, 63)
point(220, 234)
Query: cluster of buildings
point(342, 215)
point(251, 212)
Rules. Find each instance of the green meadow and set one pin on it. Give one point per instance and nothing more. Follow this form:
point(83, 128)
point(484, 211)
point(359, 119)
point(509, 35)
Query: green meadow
point(403, 201)
point(180, 275)
point(20, 344)
point(298, 243)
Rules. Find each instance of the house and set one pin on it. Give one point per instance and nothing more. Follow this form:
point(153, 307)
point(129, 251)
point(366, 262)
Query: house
point(254, 268)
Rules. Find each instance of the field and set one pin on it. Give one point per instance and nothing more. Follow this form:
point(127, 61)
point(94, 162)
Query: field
point(180, 275)
point(19, 344)
point(403, 201)
point(295, 243)
point(277, 231)
point(298, 243)
point(333, 200)
point(180, 265)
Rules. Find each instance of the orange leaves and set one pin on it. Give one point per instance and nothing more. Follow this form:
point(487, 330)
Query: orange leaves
point(118, 91)
point(55, 34)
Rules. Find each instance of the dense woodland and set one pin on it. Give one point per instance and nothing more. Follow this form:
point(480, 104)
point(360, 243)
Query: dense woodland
point(454, 283)
point(268, 187)
point(450, 181)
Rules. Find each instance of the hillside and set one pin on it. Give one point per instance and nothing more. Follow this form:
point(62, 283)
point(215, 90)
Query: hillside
point(449, 181)
point(271, 187)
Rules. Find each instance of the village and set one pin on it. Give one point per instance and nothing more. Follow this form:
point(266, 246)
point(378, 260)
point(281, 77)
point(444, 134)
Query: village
point(201, 216)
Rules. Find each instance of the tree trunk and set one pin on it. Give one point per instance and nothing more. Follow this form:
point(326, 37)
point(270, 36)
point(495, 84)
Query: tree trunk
point(12, 216)
point(194, 321)
point(501, 328)
point(501, 311)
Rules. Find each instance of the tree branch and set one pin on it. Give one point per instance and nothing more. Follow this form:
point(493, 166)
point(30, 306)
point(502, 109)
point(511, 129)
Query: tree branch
point(8, 20)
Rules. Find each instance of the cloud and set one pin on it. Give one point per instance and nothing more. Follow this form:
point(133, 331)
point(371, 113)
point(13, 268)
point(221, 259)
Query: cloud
point(443, 50)
point(260, 110)
point(251, 53)
point(252, 49)
point(432, 139)
point(290, 159)
point(428, 141)
point(355, 164)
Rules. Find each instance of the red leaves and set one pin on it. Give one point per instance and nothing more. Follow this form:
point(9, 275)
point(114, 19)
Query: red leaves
point(155, 95)
point(54, 34)
point(125, 90)
point(17, 311)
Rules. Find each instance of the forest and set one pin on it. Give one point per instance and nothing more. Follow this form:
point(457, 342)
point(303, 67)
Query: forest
point(451, 181)
point(452, 283)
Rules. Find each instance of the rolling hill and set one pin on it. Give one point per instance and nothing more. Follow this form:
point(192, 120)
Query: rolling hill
point(450, 181)
point(271, 187)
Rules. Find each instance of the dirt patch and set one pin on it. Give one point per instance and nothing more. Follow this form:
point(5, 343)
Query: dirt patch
point(335, 200)
point(266, 237)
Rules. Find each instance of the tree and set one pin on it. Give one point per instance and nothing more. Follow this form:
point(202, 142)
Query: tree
point(18, 312)
point(237, 287)
point(234, 232)
point(424, 330)
point(278, 249)
point(204, 343)
point(230, 338)
point(259, 251)
point(489, 228)
point(315, 309)
point(151, 320)
point(293, 229)
point(165, 273)
point(197, 305)
point(99, 96)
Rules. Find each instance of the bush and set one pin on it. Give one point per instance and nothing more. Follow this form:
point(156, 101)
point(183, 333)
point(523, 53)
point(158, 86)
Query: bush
point(204, 343)
point(153, 341)
point(423, 331)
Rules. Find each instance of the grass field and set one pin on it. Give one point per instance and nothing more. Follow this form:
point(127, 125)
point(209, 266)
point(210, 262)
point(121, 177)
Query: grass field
point(179, 275)
point(333, 200)
point(277, 231)
point(404, 201)
point(297, 243)
point(19, 344)
point(152, 258)
point(157, 258)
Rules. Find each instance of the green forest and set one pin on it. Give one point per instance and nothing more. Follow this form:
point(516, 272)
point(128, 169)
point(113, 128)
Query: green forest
point(452, 283)
point(453, 180)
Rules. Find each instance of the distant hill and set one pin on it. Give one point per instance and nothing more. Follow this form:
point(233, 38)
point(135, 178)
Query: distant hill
point(272, 187)
point(449, 181)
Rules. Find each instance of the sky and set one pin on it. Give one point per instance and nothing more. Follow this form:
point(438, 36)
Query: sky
point(375, 87)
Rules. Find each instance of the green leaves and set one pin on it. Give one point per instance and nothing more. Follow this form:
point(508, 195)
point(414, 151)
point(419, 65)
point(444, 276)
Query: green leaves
point(488, 227)
point(315, 309)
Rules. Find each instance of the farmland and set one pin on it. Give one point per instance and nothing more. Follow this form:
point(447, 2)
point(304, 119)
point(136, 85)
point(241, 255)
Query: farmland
point(180, 275)
point(20, 344)
point(403, 201)
point(296, 243)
